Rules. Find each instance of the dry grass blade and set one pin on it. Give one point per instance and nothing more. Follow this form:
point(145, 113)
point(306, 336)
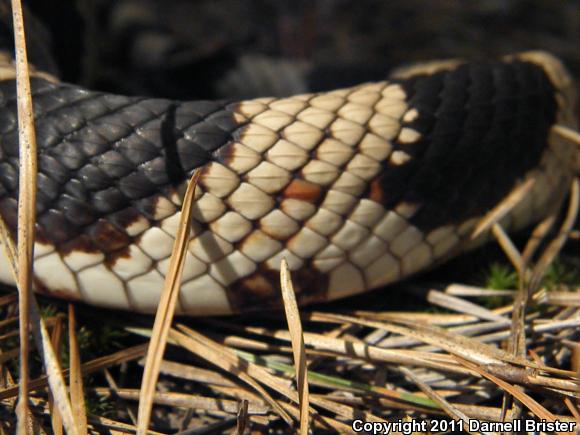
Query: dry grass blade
point(10, 298)
point(77, 394)
point(55, 416)
point(227, 361)
point(529, 402)
point(468, 348)
point(573, 409)
point(113, 386)
point(467, 290)
point(503, 208)
point(324, 421)
point(556, 245)
point(187, 401)
point(114, 427)
point(192, 373)
point(55, 375)
point(517, 337)
point(20, 259)
point(166, 309)
point(537, 236)
point(509, 248)
point(9, 249)
point(444, 319)
point(460, 305)
point(46, 347)
point(437, 398)
point(363, 351)
point(565, 299)
point(297, 339)
point(571, 137)
point(8, 355)
point(335, 383)
point(242, 418)
point(26, 205)
point(567, 133)
point(87, 368)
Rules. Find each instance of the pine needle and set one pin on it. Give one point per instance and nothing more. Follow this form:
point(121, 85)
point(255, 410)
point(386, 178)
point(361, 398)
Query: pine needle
point(503, 208)
point(77, 394)
point(93, 366)
point(529, 402)
point(55, 415)
point(20, 258)
point(509, 248)
point(242, 418)
point(567, 133)
point(229, 362)
point(437, 398)
point(297, 339)
point(26, 207)
point(556, 245)
point(166, 309)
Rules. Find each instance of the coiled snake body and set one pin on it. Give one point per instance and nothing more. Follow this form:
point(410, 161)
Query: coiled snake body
point(356, 188)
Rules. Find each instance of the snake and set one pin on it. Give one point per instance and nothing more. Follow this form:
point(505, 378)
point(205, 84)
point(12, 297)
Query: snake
point(355, 188)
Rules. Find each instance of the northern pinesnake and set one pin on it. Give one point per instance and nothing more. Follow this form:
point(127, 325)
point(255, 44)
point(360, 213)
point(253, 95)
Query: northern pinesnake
point(356, 188)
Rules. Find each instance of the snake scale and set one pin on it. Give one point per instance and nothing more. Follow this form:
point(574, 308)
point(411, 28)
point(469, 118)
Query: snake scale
point(357, 188)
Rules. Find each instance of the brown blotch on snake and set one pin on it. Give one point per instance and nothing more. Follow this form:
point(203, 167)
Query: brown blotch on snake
point(261, 289)
point(302, 190)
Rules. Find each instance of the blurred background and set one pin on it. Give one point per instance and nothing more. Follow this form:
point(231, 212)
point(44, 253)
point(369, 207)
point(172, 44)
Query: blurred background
point(245, 48)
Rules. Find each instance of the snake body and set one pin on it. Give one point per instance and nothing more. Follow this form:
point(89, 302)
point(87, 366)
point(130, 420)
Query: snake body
point(357, 188)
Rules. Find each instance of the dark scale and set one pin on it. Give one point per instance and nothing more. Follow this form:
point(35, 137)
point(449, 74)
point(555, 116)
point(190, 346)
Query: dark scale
point(105, 159)
point(483, 126)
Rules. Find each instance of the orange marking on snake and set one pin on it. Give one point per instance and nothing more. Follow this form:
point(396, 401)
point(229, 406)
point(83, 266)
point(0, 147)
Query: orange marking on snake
point(376, 192)
point(303, 190)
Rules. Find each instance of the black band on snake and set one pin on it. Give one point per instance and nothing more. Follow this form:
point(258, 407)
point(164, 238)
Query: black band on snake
point(356, 188)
